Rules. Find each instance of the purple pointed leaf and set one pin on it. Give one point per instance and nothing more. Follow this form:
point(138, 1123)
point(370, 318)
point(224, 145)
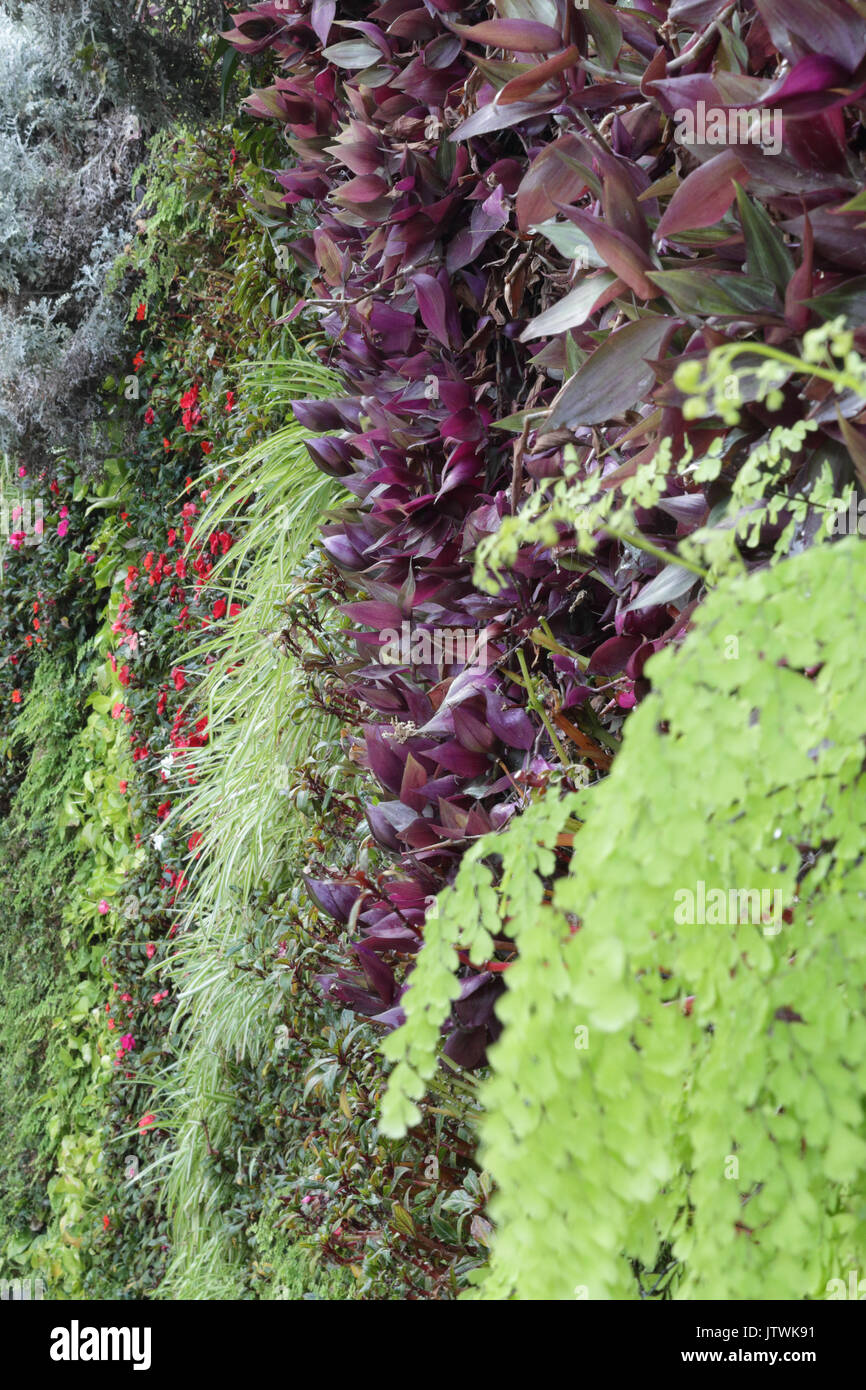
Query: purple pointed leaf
point(431, 304)
point(610, 658)
point(704, 197)
point(669, 584)
point(572, 311)
point(623, 255)
point(336, 899)
point(322, 17)
point(804, 28)
point(615, 378)
point(489, 118)
point(374, 614)
point(380, 976)
point(385, 764)
point(510, 723)
point(517, 35)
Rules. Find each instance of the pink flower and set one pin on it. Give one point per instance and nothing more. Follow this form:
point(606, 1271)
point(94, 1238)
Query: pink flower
point(127, 1042)
point(22, 472)
point(62, 528)
point(64, 512)
point(150, 950)
point(102, 907)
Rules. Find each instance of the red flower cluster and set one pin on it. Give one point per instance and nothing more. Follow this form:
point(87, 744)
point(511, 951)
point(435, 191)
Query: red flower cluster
point(190, 407)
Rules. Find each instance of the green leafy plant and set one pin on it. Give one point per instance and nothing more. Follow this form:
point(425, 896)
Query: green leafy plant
point(673, 1103)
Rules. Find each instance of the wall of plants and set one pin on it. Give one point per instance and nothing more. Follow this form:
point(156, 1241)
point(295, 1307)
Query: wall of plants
point(447, 561)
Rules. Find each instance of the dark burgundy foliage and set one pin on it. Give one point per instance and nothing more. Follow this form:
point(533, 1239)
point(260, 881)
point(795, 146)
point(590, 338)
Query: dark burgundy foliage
point(431, 140)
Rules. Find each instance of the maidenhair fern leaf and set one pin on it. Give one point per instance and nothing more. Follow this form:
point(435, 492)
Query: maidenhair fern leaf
point(682, 1071)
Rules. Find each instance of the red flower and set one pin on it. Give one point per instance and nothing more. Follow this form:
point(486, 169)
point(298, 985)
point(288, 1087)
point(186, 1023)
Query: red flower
point(149, 416)
point(230, 401)
point(194, 840)
point(206, 446)
point(141, 312)
point(219, 609)
point(105, 1222)
point(123, 675)
point(16, 697)
point(145, 1122)
point(179, 678)
point(138, 360)
point(165, 443)
point(190, 408)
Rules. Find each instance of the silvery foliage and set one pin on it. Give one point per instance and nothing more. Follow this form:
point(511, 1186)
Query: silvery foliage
point(66, 157)
point(81, 85)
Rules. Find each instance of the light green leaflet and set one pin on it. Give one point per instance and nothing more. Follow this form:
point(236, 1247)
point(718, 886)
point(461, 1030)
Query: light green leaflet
point(722, 1139)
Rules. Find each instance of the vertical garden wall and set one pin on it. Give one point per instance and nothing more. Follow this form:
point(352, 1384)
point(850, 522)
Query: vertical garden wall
point(431, 747)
